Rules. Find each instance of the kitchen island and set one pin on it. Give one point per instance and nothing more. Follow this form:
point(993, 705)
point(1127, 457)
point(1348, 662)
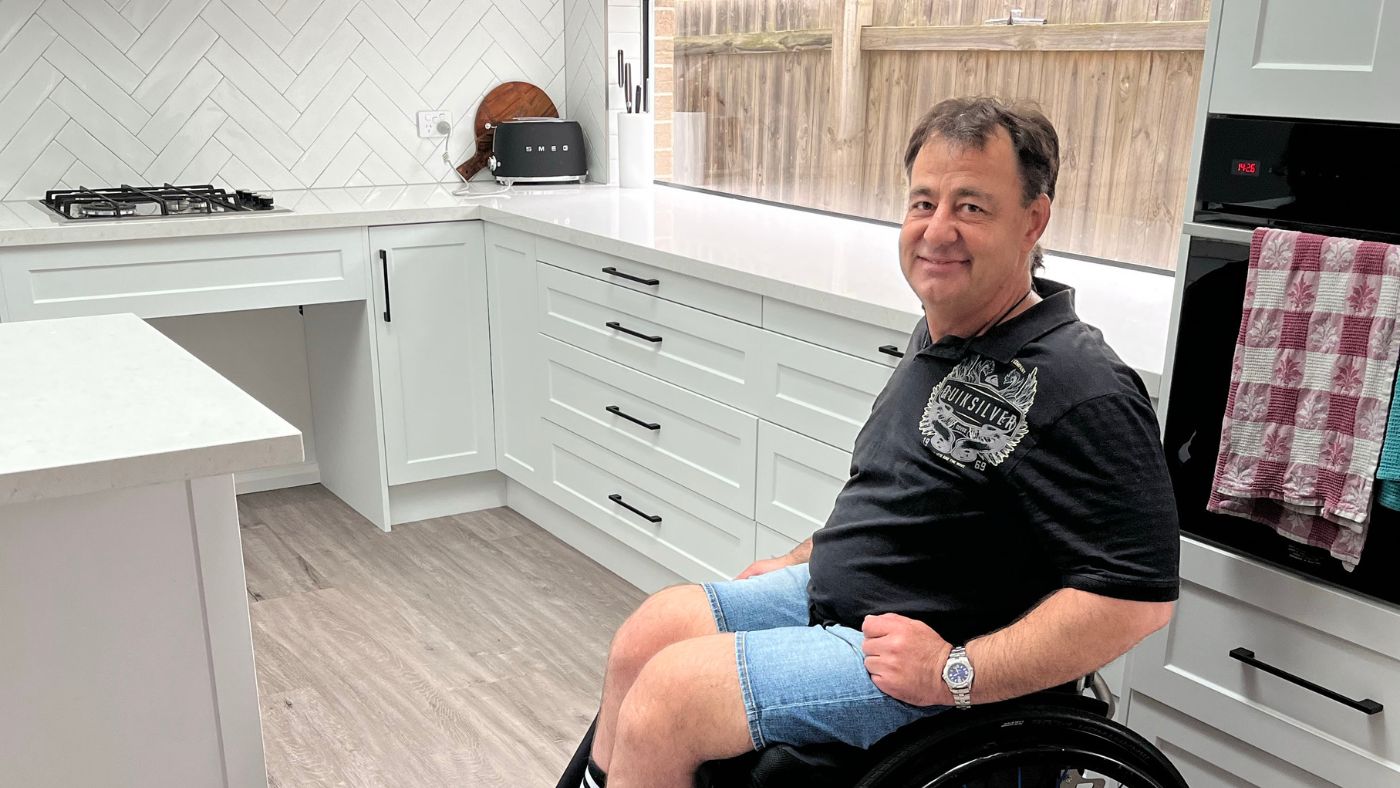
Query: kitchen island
point(125, 649)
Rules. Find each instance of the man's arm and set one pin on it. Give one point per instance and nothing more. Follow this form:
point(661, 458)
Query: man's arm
point(1070, 634)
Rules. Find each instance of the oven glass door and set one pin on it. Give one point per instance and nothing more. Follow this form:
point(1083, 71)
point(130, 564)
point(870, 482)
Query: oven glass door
point(1211, 304)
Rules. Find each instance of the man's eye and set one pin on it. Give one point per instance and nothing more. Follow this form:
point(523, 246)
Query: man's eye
point(969, 207)
point(922, 205)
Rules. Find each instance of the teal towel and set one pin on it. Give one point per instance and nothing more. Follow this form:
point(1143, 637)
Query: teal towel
point(1388, 473)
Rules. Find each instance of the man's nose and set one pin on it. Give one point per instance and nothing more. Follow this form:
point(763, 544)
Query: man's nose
point(940, 230)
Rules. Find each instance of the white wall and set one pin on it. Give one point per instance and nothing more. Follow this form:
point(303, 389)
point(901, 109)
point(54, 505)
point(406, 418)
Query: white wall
point(255, 93)
point(586, 74)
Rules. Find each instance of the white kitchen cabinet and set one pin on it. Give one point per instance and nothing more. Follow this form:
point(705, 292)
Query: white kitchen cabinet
point(815, 391)
point(1306, 59)
point(798, 481)
point(183, 276)
point(429, 291)
point(1209, 758)
point(1333, 639)
point(517, 370)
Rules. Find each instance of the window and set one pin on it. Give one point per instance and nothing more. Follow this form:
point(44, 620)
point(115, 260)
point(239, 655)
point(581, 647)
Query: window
point(746, 102)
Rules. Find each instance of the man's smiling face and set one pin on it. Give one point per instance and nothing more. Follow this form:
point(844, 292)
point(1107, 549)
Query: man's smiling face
point(967, 233)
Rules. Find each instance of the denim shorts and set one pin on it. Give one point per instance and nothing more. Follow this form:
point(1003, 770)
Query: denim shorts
point(802, 684)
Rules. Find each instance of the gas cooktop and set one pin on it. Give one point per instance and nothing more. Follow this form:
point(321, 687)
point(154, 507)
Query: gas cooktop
point(154, 202)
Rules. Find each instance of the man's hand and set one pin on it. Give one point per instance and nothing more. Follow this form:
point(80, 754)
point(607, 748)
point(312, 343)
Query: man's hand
point(798, 555)
point(905, 659)
point(766, 565)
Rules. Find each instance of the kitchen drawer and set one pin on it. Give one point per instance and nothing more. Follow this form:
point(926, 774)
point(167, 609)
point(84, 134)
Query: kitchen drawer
point(816, 391)
point(867, 341)
point(770, 544)
point(696, 442)
point(184, 276)
point(1208, 758)
point(685, 532)
point(705, 353)
point(1189, 666)
point(798, 480)
point(740, 305)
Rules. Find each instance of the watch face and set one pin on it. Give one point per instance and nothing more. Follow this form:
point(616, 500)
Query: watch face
point(958, 674)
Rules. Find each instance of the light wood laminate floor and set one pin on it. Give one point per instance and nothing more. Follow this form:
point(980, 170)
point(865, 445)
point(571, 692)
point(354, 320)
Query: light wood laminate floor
point(460, 651)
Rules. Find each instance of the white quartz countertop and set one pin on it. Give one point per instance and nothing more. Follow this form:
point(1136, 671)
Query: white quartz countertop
point(99, 403)
point(844, 266)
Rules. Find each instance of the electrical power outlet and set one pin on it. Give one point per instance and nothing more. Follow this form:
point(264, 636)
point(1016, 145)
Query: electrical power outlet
point(429, 122)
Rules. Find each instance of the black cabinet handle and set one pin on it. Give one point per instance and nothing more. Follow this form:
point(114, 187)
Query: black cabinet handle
point(616, 326)
point(616, 411)
point(891, 350)
point(384, 260)
point(1365, 704)
point(611, 271)
point(651, 518)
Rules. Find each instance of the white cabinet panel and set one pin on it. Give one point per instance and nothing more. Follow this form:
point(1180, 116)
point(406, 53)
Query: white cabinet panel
point(1306, 59)
point(798, 481)
point(712, 355)
point(687, 533)
point(740, 305)
point(870, 342)
point(517, 369)
point(1208, 758)
point(183, 276)
point(692, 440)
point(816, 391)
point(434, 350)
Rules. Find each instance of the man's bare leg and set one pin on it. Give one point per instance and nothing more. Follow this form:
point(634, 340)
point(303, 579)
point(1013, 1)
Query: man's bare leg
point(685, 708)
point(669, 616)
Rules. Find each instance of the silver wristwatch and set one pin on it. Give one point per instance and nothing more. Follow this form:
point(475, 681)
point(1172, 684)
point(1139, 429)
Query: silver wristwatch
point(958, 674)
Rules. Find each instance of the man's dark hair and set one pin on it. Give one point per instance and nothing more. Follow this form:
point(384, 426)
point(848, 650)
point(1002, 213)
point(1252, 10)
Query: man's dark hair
point(973, 121)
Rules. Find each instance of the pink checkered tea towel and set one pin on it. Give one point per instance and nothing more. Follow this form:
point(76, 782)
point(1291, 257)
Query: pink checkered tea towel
point(1310, 388)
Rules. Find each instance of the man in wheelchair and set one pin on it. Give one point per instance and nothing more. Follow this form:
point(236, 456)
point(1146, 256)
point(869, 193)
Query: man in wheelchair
point(1008, 525)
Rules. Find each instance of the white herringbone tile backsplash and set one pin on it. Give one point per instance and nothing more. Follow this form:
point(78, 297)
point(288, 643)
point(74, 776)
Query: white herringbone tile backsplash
point(279, 94)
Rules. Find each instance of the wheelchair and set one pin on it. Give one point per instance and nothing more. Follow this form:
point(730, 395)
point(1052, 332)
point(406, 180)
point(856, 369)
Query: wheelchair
point(1058, 738)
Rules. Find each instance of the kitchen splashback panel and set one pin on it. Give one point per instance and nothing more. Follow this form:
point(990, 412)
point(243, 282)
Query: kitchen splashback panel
point(279, 94)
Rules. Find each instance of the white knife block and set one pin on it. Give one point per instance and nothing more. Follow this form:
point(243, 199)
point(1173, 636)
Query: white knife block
point(636, 154)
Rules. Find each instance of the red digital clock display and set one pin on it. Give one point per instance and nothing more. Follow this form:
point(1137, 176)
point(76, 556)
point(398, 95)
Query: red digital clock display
point(1244, 167)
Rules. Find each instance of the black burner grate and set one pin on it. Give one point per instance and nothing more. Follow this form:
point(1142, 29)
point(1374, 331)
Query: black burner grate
point(137, 202)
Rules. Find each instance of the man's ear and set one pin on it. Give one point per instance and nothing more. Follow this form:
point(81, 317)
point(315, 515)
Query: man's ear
point(1037, 218)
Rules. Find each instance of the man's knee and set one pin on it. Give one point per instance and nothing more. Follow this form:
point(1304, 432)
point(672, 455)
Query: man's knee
point(669, 616)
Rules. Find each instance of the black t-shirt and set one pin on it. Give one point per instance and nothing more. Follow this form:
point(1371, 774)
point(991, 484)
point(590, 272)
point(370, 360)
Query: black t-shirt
point(995, 471)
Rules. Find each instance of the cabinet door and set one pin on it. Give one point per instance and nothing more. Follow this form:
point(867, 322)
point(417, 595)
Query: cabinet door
point(1305, 59)
point(517, 368)
point(1209, 758)
point(434, 349)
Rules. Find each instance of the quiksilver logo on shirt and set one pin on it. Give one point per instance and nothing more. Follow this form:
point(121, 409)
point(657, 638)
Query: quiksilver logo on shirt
point(977, 413)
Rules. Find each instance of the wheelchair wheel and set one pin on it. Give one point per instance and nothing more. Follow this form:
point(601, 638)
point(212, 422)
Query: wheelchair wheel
point(1030, 748)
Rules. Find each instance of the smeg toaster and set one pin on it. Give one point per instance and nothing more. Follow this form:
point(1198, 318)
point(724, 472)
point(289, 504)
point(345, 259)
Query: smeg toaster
point(538, 150)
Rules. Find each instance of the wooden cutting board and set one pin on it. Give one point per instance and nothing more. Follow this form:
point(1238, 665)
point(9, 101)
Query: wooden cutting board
point(505, 102)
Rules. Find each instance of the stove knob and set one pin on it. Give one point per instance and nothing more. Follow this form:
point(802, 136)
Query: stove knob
point(244, 197)
point(264, 202)
point(492, 163)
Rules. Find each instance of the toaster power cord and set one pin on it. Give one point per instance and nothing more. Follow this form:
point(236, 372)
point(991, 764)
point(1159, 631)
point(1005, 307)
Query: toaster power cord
point(465, 190)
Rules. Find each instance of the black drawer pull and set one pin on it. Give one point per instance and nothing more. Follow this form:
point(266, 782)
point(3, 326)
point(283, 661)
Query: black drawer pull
point(891, 350)
point(611, 271)
point(616, 326)
point(1247, 657)
point(616, 411)
point(384, 259)
point(651, 518)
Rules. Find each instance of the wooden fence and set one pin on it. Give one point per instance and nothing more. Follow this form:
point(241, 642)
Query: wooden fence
point(811, 102)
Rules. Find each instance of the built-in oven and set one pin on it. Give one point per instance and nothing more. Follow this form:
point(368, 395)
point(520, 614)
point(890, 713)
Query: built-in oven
point(1315, 176)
